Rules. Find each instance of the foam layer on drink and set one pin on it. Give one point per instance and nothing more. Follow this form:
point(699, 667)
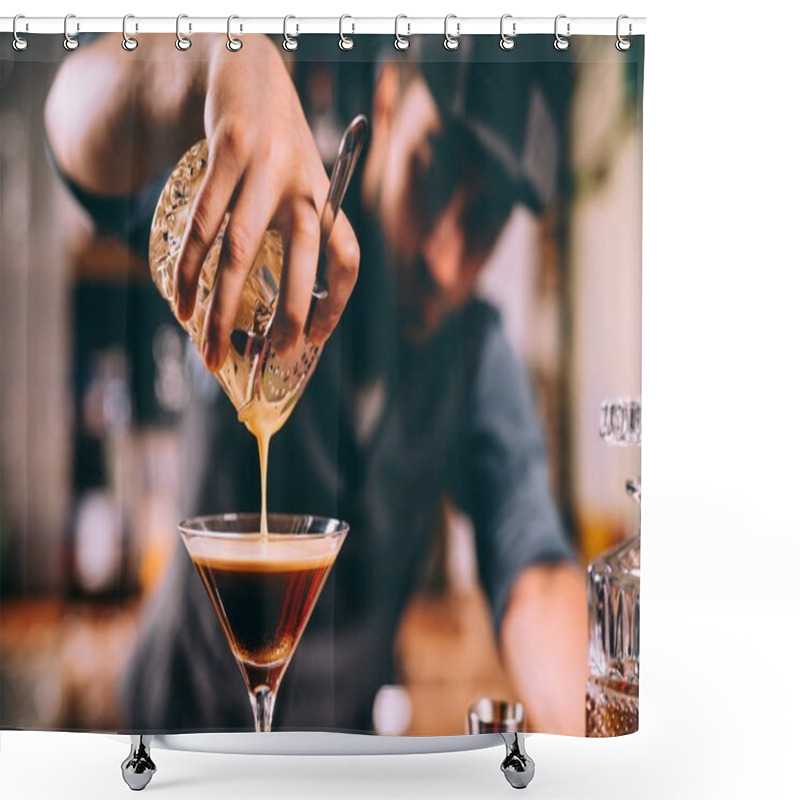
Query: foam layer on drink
point(275, 554)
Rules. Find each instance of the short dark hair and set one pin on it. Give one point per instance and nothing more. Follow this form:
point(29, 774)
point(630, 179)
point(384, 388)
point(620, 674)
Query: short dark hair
point(460, 163)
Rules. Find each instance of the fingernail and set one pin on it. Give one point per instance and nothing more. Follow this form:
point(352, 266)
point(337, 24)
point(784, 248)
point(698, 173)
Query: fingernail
point(279, 344)
point(180, 307)
point(315, 336)
point(208, 356)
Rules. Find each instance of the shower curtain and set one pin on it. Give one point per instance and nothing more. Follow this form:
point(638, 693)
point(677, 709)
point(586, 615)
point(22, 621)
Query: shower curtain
point(482, 297)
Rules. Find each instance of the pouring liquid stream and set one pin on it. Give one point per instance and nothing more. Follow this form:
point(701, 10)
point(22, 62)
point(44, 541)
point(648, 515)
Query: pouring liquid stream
point(262, 386)
point(262, 426)
point(260, 421)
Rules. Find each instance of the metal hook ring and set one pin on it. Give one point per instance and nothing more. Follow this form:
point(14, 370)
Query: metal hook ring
point(345, 42)
point(561, 43)
point(129, 43)
point(401, 42)
point(70, 42)
point(507, 42)
point(289, 43)
point(233, 44)
point(18, 42)
point(182, 42)
point(451, 42)
point(623, 43)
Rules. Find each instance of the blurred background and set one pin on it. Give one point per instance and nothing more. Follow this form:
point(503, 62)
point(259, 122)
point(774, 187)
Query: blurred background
point(93, 382)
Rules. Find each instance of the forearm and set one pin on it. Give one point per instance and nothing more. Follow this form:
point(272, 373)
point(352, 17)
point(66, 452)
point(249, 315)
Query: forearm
point(115, 119)
point(544, 646)
point(149, 102)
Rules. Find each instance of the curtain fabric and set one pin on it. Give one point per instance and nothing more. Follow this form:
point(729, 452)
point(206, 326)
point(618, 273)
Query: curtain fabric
point(451, 419)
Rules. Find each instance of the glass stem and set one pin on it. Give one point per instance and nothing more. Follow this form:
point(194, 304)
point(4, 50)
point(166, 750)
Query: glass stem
point(262, 698)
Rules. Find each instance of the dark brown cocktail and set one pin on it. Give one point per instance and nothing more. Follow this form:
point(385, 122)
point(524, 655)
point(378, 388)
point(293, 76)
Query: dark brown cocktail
point(263, 591)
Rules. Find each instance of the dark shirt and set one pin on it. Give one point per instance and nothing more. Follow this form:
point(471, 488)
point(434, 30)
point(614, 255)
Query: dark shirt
point(456, 418)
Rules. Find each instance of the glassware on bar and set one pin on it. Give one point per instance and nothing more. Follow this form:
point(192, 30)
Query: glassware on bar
point(612, 692)
point(263, 592)
point(251, 374)
point(258, 382)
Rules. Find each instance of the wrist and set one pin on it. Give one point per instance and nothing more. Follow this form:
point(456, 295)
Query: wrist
point(229, 80)
point(212, 47)
point(255, 47)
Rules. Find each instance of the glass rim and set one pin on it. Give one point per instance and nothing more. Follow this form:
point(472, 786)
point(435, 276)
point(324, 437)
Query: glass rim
point(191, 525)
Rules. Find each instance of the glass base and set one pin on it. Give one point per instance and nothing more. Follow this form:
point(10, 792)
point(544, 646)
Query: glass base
point(262, 699)
point(612, 708)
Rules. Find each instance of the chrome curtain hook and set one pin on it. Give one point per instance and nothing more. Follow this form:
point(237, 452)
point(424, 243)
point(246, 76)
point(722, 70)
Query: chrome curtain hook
point(345, 42)
point(182, 42)
point(451, 42)
point(507, 42)
point(233, 44)
point(560, 42)
point(289, 43)
point(129, 42)
point(70, 42)
point(18, 43)
point(401, 42)
point(623, 43)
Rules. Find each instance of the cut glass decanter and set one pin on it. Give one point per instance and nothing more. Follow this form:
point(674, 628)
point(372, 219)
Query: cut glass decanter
point(612, 692)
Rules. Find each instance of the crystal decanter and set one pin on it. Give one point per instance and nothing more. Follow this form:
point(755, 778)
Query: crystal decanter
point(612, 692)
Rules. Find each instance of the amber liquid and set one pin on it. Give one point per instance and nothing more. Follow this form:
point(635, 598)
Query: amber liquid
point(262, 426)
point(253, 376)
point(612, 708)
point(264, 596)
point(262, 387)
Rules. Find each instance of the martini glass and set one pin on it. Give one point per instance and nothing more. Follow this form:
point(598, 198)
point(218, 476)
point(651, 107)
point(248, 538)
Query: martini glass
point(263, 591)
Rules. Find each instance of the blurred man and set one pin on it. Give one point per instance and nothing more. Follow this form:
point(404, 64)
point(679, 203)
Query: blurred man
point(417, 395)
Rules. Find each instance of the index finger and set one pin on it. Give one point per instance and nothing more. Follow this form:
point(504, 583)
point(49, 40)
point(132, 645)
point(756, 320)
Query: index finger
point(297, 279)
point(204, 223)
point(342, 256)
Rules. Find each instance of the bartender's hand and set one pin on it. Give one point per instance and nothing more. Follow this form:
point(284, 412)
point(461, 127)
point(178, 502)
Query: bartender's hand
point(264, 166)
